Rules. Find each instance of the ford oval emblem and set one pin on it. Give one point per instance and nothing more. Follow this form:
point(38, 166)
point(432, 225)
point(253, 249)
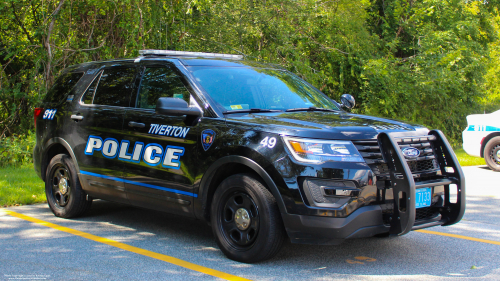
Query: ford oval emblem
point(411, 152)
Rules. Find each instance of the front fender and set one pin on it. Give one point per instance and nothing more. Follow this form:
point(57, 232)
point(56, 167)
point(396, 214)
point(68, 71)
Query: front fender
point(200, 205)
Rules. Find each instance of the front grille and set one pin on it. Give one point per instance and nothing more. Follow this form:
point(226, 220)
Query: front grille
point(426, 213)
point(425, 163)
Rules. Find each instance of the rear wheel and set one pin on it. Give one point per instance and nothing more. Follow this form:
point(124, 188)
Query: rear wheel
point(64, 193)
point(492, 153)
point(246, 220)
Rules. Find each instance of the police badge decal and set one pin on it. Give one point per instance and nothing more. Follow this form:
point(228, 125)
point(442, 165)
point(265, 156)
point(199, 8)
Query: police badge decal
point(207, 138)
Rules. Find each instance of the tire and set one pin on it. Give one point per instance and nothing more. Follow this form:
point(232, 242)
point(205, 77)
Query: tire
point(245, 219)
point(492, 153)
point(64, 192)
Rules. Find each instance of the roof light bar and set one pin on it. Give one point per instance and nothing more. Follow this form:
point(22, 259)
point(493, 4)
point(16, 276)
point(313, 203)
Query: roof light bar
point(187, 54)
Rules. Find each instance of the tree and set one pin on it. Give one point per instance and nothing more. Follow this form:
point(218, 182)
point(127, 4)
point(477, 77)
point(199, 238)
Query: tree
point(421, 61)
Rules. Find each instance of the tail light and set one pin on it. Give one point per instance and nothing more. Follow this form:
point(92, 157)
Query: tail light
point(37, 113)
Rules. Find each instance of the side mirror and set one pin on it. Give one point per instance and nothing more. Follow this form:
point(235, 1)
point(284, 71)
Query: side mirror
point(347, 101)
point(176, 107)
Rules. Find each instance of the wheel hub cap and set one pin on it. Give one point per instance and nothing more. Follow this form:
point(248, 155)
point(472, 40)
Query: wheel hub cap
point(498, 154)
point(242, 219)
point(63, 186)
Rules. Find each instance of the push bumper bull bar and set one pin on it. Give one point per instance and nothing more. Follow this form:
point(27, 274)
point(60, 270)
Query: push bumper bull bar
point(402, 220)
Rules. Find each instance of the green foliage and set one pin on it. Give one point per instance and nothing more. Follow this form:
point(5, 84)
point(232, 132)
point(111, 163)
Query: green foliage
point(490, 101)
point(420, 61)
point(20, 185)
point(17, 150)
point(466, 160)
point(433, 66)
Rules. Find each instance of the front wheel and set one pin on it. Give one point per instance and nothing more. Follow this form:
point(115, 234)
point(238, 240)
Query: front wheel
point(63, 190)
point(246, 220)
point(492, 153)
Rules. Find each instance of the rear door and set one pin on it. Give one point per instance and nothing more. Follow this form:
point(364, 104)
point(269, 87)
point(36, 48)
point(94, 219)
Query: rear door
point(165, 175)
point(98, 131)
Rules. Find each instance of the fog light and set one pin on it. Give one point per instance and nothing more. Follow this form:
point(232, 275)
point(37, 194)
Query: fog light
point(329, 193)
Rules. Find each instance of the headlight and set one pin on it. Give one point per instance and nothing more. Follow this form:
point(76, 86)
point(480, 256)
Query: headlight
point(320, 151)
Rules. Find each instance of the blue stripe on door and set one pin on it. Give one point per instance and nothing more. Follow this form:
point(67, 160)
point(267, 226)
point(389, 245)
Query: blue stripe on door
point(140, 184)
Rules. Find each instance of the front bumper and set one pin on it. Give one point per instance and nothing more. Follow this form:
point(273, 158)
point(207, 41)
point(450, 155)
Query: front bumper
point(369, 220)
point(364, 222)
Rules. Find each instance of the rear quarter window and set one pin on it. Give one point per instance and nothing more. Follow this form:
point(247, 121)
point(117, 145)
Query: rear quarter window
point(113, 87)
point(62, 87)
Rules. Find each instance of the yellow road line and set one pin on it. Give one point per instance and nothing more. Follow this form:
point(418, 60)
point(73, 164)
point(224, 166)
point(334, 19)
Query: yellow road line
point(459, 236)
point(129, 248)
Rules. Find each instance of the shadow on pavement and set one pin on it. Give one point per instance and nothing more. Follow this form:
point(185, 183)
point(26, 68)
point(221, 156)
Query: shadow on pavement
point(414, 254)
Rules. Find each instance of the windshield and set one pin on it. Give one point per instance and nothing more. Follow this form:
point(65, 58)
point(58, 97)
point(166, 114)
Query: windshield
point(242, 88)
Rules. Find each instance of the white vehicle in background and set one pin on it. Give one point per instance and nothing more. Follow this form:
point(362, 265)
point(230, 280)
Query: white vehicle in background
point(482, 138)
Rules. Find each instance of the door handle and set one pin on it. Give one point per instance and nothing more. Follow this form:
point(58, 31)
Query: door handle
point(136, 124)
point(76, 117)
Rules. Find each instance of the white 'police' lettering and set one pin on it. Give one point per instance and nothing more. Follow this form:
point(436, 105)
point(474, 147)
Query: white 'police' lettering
point(93, 143)
point(152, 154)
point(123, 151)
point(172, 155)
point(136, 157)
point(110, 148)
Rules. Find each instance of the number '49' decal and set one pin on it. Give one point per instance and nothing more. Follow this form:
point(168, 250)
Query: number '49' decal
point(269, 142)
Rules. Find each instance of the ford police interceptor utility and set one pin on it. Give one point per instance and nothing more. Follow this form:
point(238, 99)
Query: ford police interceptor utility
point(250, 148)
point(481, 138)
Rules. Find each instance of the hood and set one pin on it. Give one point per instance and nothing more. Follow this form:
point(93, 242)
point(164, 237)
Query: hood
point(324, 125)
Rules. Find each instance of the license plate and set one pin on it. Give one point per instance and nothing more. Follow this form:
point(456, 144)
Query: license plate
point(423, 197)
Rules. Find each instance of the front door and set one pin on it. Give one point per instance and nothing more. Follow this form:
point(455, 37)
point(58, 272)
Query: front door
point(161, 159)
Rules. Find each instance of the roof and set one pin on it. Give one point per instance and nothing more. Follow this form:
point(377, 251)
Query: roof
point(186, 58)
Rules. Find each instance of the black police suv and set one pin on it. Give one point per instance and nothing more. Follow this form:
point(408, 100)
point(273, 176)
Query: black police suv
point(250, 148)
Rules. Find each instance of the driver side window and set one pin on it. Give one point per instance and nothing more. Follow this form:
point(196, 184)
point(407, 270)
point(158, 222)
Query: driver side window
point(160, 82)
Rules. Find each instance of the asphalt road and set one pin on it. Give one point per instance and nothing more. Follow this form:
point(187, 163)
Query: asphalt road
point(148, 240)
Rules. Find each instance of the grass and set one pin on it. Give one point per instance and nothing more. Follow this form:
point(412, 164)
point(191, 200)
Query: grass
point(467, 160)
point(20, 186)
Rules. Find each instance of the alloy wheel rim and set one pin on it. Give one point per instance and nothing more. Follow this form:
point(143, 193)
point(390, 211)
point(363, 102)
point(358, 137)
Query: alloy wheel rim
point(61, 189)
point(495, 154)
point(239, 219)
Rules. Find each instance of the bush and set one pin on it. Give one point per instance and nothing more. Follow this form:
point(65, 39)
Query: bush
point(17, 150)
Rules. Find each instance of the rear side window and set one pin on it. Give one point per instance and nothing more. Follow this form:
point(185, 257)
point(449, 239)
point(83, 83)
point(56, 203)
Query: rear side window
point(160, 82)
point(88, 98)
point(61, 88)
point(111, 87)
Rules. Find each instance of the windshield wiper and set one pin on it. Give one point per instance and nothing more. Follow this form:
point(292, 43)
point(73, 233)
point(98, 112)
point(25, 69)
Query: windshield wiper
point(312, 108)
point(251, 110)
